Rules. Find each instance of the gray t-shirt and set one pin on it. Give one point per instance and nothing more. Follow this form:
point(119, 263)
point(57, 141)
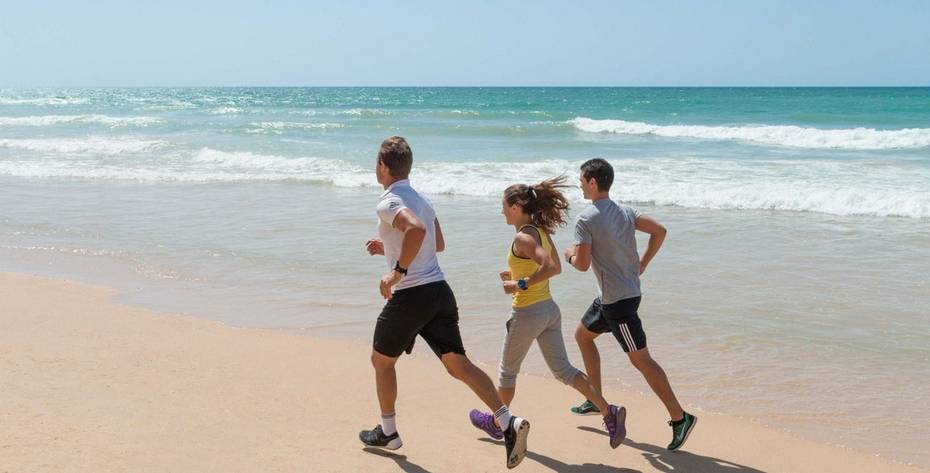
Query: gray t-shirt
point(610, 229)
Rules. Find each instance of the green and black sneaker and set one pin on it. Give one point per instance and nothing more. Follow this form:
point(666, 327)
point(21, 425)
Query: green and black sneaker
point(587, 408)
point(681, 430)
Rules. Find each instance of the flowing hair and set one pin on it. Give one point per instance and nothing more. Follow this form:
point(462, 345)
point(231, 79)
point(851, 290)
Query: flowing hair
point(543, 202)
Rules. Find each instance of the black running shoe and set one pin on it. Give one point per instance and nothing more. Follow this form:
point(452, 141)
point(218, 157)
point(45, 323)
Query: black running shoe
point(681, 431)
point(515, 440)
point(376, 438)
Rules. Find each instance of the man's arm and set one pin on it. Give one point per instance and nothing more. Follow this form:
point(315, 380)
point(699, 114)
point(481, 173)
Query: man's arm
point(440, 241)
point(657, 232)
point(414, 233)
point(579, 256)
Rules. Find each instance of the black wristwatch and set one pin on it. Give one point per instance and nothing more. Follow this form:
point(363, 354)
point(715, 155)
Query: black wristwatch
point(399, 269)
point(522, 284)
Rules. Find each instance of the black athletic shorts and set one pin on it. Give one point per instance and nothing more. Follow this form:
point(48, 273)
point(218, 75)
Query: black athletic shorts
point(619, 318)
point(429, 311)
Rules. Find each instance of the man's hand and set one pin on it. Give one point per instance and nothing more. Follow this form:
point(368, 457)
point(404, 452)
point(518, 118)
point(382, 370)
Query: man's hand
point(642, 267)
point(374, 247)
point(569, 252)
point(505, 275)
point(388, 281)
point(510, 287)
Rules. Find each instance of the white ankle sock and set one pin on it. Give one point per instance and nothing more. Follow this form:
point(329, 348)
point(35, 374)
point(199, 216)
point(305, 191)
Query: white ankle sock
point(502, 416)
point(388, 423)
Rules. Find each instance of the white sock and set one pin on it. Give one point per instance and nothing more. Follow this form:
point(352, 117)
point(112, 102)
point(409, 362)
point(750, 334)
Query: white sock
point(502, 416)
point(388, 423)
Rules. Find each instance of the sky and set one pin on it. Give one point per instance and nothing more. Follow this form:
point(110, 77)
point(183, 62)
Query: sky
point(476, 43)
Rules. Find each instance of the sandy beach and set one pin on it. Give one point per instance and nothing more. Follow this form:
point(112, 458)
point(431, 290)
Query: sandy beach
point(90, 385)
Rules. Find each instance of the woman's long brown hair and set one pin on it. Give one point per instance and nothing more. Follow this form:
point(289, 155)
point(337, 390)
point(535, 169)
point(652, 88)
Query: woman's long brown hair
point(543, 202)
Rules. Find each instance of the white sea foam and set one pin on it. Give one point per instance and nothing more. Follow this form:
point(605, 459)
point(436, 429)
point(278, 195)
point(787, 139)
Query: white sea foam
point(226, 111)
point(49, 120)
point(42, 101)
point(830, 187)
point(93, 144)
point(363, 112)
point(780, 135)
point(278, 127)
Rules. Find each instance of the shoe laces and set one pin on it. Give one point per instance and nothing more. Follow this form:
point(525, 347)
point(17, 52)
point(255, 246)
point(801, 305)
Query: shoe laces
point(488, 423)
point(610, 421)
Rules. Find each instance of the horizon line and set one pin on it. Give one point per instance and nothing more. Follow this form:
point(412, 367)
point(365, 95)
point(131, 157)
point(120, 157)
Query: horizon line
point(478, 86)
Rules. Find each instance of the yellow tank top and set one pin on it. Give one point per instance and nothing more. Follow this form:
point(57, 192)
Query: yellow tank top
point(523, 267)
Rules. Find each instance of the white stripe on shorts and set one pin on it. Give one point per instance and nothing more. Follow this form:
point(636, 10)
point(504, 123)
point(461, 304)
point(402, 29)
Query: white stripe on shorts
point(628, 337)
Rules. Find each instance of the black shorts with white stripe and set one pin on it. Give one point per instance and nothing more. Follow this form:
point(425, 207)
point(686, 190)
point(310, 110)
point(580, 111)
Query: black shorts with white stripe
point(620, 318)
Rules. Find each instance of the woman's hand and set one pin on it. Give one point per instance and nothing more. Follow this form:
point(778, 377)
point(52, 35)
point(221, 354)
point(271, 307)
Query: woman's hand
point(510, 287)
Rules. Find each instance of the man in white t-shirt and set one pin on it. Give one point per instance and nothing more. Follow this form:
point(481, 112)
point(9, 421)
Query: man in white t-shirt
point(419, 302)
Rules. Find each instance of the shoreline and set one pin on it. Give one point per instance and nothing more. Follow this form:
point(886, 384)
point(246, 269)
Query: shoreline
point(92, 385)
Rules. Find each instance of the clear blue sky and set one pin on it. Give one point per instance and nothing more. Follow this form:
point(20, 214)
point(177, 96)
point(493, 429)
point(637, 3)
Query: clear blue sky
point(350, 42)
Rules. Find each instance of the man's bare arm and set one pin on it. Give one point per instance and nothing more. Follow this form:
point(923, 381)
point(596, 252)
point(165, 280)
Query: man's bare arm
point(657, 232)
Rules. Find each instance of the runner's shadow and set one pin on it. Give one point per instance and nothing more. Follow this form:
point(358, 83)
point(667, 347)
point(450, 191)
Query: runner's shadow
point(401, 460)
point(561, 467)
point(680, 461)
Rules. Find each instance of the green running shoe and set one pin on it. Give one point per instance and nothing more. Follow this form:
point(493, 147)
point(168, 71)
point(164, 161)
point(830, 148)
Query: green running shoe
point(587, 408)
point(681, 431)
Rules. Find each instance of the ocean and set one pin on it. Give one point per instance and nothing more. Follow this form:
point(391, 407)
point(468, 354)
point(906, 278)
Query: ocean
point(793, 288)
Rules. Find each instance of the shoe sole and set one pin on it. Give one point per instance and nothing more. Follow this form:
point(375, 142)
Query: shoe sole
point(392, 445)
point(621, 427)
point(589, 413)
point(687, 434)
point(519, 448)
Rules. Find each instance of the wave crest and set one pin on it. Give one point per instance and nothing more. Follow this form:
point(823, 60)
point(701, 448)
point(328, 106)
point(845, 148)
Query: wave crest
point(93, 144)
point(822, 186)
point(49, 120)
point(777, 135)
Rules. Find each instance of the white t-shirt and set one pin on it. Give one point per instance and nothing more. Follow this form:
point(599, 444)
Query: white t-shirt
point(425, 266)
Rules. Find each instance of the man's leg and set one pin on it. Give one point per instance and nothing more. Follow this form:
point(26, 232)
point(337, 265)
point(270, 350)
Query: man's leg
point(462, 369)
point(623, 318)
point(658, 381)
point(682, 422)
point(385, 434)
point(443, 336)
point(385, 381)
point(590, 355)
point(395, 330)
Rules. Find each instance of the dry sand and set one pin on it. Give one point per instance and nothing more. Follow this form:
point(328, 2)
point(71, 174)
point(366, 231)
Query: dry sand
point(89, 385)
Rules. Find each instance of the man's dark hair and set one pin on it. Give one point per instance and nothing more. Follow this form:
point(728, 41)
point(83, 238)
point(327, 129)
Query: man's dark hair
point(396, 155)
point(601, 171)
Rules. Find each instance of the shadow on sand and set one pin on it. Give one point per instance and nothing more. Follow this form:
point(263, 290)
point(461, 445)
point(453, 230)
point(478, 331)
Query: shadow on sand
point(401, 460)
point(561, 467)
point(679, 461)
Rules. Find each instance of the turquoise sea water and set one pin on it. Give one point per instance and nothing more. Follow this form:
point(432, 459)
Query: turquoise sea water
point(792, 289)
point(851, 151)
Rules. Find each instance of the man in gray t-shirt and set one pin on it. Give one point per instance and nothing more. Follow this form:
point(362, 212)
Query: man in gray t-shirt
point(605, 240)
point(614, 259)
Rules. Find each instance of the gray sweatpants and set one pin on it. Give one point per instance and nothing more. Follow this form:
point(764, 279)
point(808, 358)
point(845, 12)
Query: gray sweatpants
point(542, 322)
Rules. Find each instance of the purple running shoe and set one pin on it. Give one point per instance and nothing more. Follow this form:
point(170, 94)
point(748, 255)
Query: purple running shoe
point(615, 421)
point(485, 422)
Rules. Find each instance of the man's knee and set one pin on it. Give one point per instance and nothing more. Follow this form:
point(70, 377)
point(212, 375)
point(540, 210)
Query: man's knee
point(584, 336)
point(456, 365)
point(641, 360)
point(381, 362)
